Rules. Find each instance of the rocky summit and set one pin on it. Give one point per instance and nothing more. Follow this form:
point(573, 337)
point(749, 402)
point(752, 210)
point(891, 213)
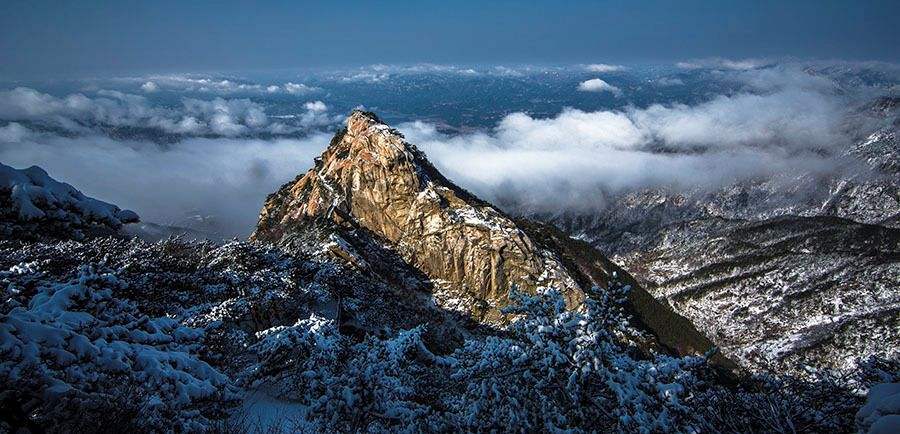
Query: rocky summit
point(369, 178)
point(372, 188)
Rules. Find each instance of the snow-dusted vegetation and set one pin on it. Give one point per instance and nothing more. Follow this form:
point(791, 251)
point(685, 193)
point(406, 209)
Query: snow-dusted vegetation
point(75, 349)
point(171, 336)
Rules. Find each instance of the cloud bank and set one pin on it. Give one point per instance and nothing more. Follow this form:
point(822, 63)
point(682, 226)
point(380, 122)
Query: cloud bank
point(669, 81)
point(230, 152)
point(222, 86)
point(721, 63)
point(598, 85)
point(574, 160)
point(228, 156)
point(82, 114)
point(226, 178)
point(603, 67)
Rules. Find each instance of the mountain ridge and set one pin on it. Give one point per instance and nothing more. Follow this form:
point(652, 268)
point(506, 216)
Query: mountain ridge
point(781, 272)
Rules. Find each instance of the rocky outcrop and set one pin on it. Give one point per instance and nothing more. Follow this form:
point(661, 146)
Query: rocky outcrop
point(35, 206)
point(372, 178)
point(374, 202)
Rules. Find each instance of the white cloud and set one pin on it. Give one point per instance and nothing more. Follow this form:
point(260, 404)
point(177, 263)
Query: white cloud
point(297, 88)
point(780, 77)
point(598, 85)
point(573, 160)
point(223, 86)
point(427, 68)
point(14, 133)
point(316, 106)
point(317, 115)
point(720, 63)
point(205, 84)
point(82, 114)
point(24, 103)
point(224, 177)
point(380, 72)
point(366, 76)
point(668, 81)
point(791, 119)
point(226, 117)
point(603, 67)
point(570, 129)
point(506, 71)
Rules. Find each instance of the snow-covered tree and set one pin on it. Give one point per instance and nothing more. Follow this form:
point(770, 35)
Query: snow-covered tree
point(560, 369)
point(163, 337)
point(76, 356)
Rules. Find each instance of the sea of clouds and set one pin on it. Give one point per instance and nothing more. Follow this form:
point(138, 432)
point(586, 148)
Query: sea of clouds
point(229, 153)
point(219, 157)
point(785, 121)
point(79, 113)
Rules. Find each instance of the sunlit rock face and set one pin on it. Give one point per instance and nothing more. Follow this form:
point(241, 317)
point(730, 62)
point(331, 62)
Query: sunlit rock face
point(370, 178)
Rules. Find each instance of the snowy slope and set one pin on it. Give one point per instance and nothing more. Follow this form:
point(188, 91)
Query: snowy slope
point(173, 335)
point(34, 204)
point(799, 268)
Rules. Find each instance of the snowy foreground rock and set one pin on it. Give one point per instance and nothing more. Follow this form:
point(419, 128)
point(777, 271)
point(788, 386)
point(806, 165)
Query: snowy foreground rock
point(34, 205)
point(171, 336)
point(338, 324)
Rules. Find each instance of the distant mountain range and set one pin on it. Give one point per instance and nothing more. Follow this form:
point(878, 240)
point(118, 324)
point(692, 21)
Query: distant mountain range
point(784, 271)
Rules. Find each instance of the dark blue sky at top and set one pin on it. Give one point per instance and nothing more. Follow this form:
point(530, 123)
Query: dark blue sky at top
point(85, 37)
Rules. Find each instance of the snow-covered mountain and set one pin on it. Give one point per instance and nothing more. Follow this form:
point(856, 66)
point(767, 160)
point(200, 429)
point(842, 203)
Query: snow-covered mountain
point(373, 297)
point(782, 271)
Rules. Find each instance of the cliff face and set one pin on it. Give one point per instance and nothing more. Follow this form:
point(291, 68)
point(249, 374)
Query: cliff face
point(369, 177)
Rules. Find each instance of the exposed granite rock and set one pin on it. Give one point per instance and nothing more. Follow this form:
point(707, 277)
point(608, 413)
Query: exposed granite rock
point(370, 177)
point(374, 202)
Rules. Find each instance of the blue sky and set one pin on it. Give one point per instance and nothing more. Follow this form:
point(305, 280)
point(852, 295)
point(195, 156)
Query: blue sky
point(54, 38)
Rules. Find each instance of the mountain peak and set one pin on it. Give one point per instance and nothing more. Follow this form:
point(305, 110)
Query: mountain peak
point(361, 120)
point(374, 201)
point(369, 177)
